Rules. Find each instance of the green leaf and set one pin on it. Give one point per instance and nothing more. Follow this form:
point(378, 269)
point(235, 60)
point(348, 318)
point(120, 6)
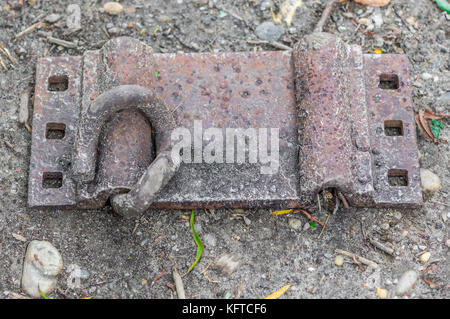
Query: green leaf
point(312, 224)
point(156, 74)
point(43, 294)
point(198, 242)
point(436, 128)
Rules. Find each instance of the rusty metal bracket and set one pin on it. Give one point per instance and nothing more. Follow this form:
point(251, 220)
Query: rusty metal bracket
point(102, 123)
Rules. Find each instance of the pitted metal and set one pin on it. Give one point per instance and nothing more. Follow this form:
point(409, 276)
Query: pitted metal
point(324, 97)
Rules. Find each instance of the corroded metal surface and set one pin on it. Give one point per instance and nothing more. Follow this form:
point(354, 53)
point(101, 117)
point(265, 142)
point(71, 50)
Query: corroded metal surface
point(331, 126)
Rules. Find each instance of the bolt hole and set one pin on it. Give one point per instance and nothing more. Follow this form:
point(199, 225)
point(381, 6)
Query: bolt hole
point(52, 180)
point(398, 177)
point(55, 131)
point(58, 83)
point(393, 128)
point(389, 81)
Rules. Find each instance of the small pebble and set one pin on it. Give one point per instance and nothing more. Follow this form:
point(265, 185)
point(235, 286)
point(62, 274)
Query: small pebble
point(295, 223)
point(382, 293)
point(113, 8)
point(384, 226)
point(426, 76)
point(397, 215)
point(377, 19)
point(306, 226)
point(447, 242)
point(425, 257)
point(339, 260)
point(364, 21)
point(406, 282)
point(430, 181)
point(247, 221)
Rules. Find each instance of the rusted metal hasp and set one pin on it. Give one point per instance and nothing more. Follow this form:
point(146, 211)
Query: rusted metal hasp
point(343, 119)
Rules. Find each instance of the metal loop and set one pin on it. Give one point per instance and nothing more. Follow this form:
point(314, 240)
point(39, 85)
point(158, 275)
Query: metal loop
point(160, 170)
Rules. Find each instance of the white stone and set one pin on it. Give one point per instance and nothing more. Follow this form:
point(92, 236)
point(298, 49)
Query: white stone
point(406, 282)
point(430, 181)
point(42, 264)
point(73, 20)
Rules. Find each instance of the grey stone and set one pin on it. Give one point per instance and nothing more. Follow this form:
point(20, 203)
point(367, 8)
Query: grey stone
point(444, 99)
point(209, 240)
point(42, 264)
point(269, 31)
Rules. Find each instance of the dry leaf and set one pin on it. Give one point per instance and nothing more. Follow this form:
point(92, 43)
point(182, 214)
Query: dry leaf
point(277, 294)
point(422, 122)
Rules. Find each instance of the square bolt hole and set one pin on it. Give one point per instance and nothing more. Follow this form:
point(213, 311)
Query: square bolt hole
point(398, 177)
point(393, 128)
point(389, 81)
point(52, 180)
point(58, 83)
point(55, 131)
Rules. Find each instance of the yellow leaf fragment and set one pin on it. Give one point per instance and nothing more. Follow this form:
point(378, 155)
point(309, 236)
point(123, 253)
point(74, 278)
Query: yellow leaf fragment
point(377, 3)
point(287, 11)
point(277, 294)
point(282, 212)
point(377, 51)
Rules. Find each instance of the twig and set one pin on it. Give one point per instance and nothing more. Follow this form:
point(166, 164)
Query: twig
point(358, 258)
point(318, 203)
point(323, 228)
point(344, 200)
point(3, 64)
point(29, 29)
point(325, 15)
point(178, 284)
point(8, 55)
point(64, 43)
point(158, 277)
point(429, 282)
point(309, 216)
point(436, 202)
point(382, 247)
point(274, 44)
point(336, 207)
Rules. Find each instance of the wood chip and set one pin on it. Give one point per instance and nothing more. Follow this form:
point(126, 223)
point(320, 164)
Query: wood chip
point(64, 43)
point(23, 107)
point(19, 237)
point(178, 284)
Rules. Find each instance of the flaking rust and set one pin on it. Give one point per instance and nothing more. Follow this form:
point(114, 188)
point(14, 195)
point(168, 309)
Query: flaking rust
point(345, 121)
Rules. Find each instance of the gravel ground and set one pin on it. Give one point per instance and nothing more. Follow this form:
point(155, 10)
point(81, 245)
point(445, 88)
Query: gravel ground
point(121, 258)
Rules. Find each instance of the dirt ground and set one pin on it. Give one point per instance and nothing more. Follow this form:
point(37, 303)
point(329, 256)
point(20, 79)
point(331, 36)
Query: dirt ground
point(122, 258)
